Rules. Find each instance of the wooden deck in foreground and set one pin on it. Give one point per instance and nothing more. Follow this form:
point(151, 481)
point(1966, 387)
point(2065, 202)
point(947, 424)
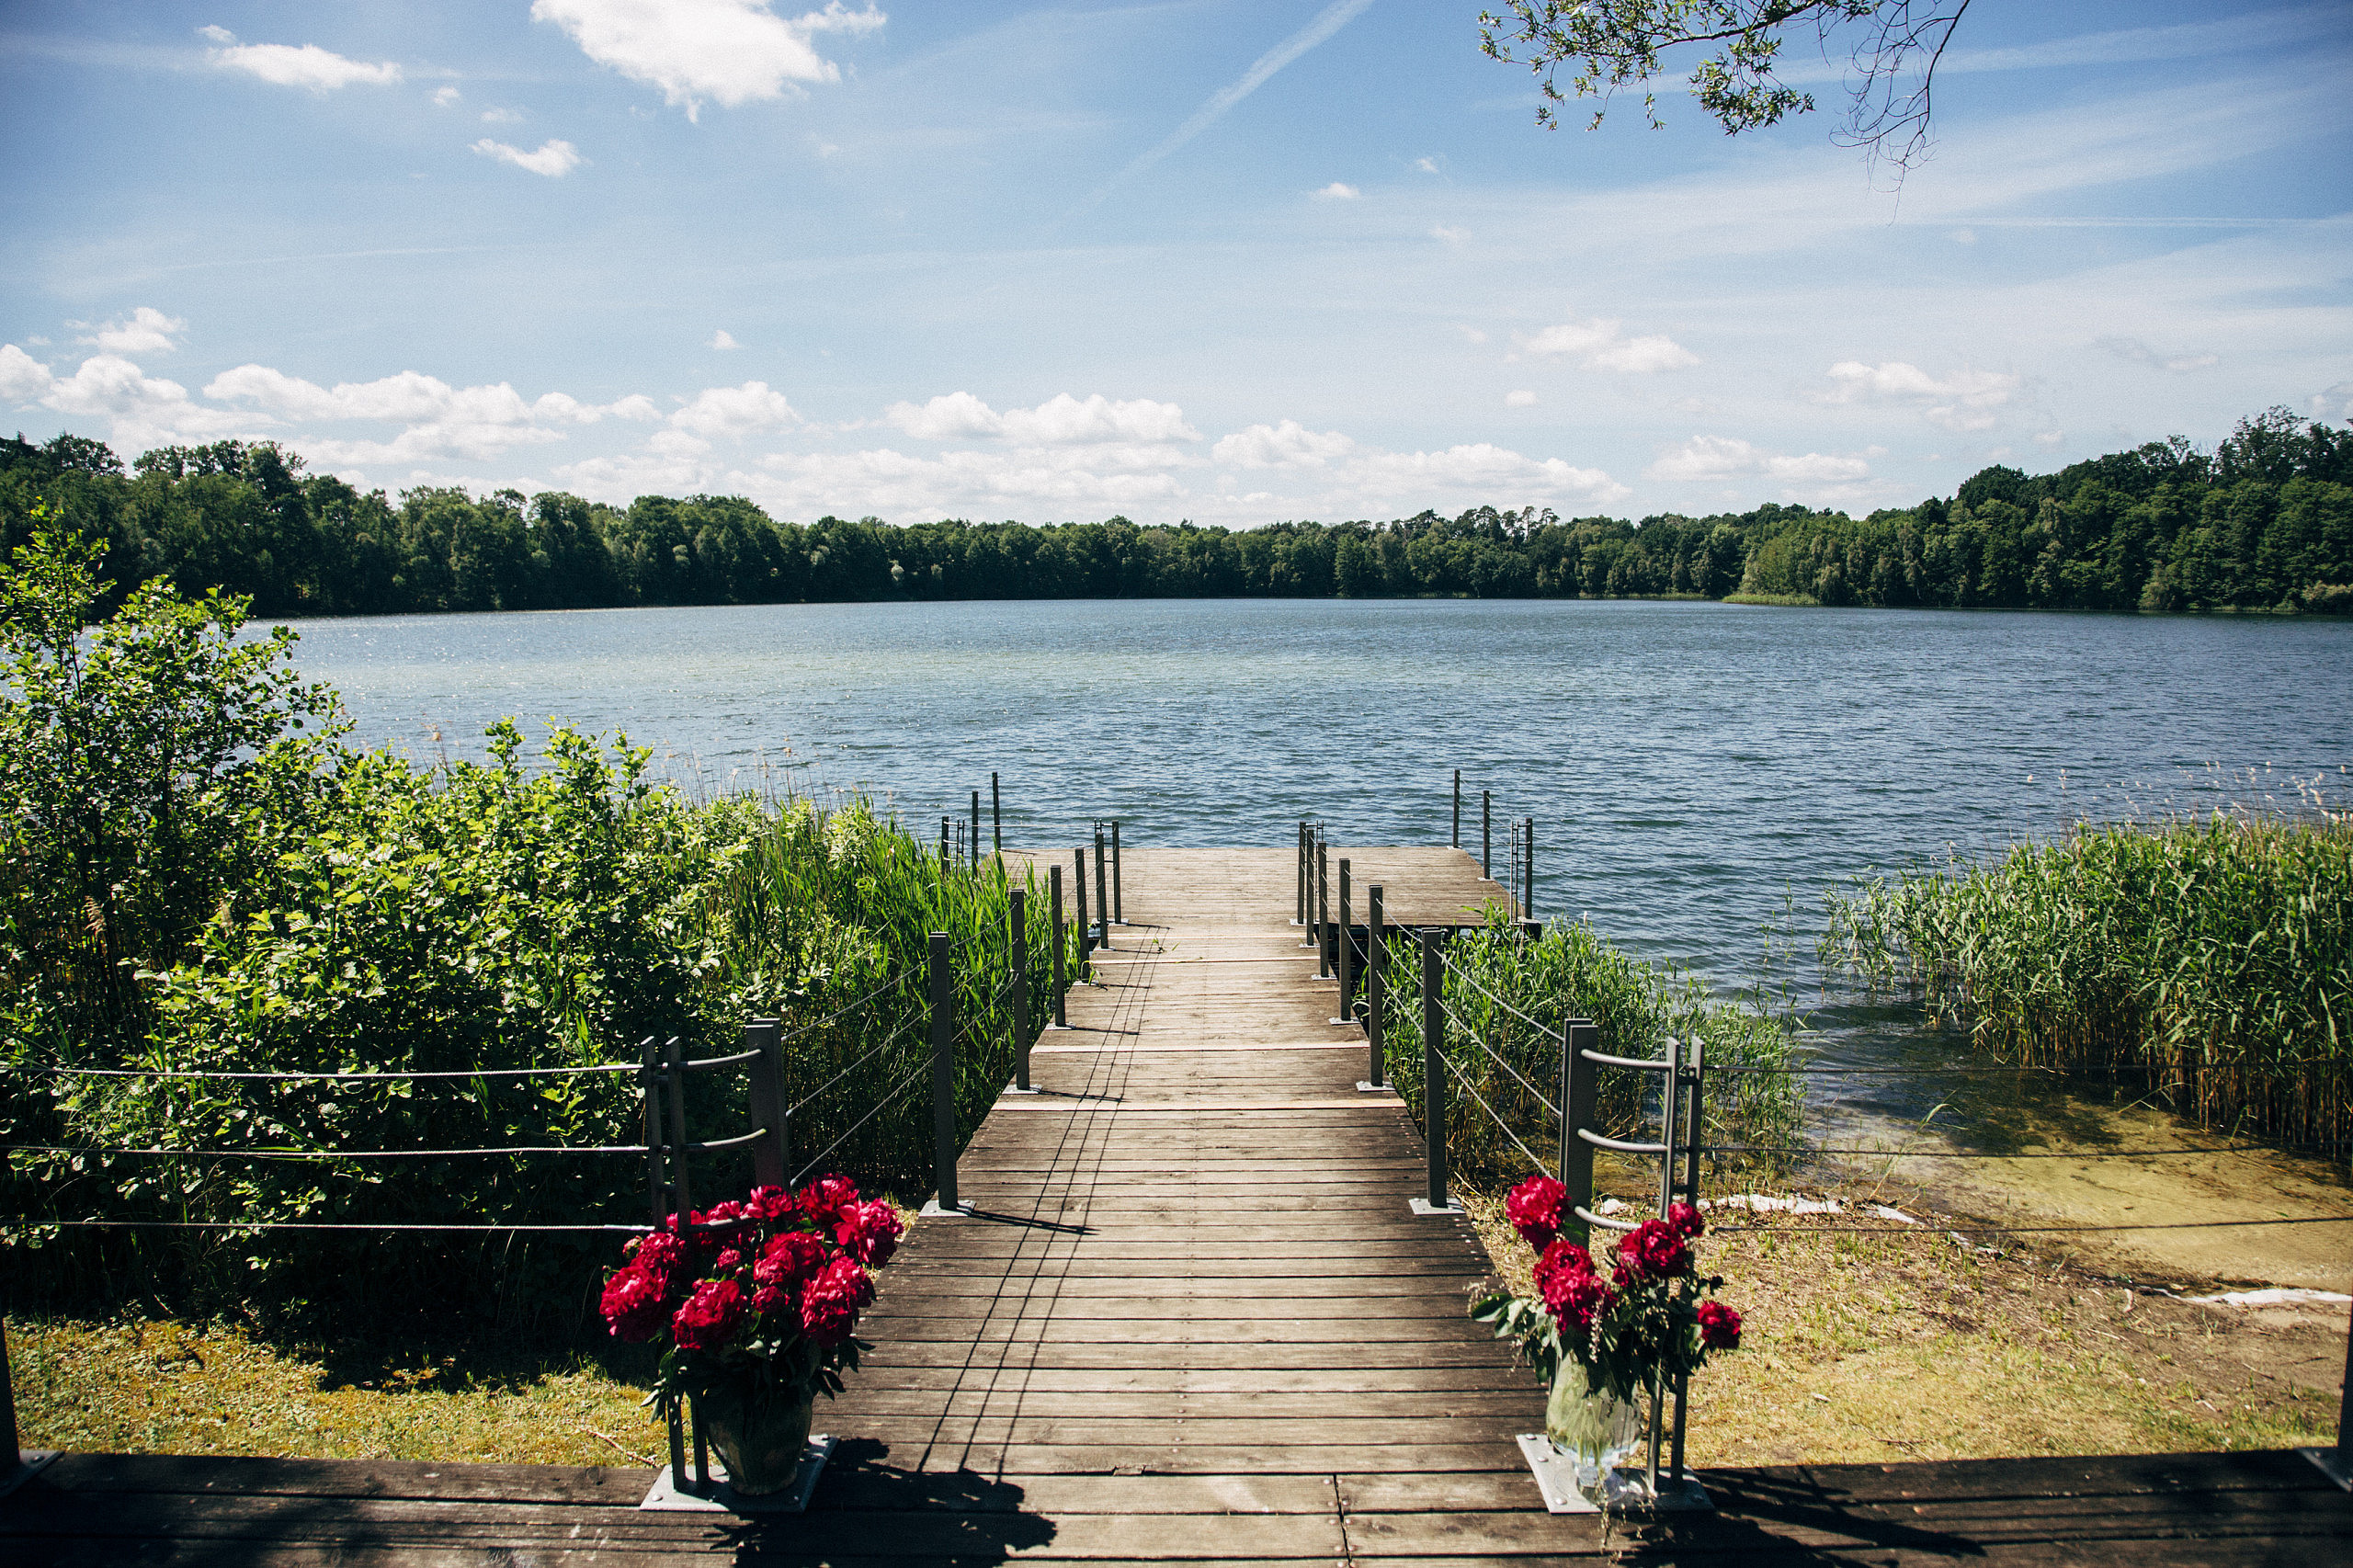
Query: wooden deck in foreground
point(1192, 1320)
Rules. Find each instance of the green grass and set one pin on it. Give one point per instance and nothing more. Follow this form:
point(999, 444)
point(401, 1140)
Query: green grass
point(2209, 958)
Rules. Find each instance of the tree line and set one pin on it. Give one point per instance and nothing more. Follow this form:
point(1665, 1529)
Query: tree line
point(2262, 522)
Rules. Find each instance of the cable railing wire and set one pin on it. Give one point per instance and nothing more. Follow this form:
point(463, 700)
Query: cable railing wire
point(892, 1093)
point(1465, 976)
point(1473, 1037)
point(320, 1077)
point(847, 1008)
point(888, 1041)
point(1498, 1121)
point(326, 1225)
point(711, 1146)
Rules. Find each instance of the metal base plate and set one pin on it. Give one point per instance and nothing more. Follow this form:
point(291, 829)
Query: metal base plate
point(29, 1463)
point(2332, 1462)
point(1628, 1490)
point(1012, 1089)
point(1425, 1207)
point(794, 1499)
point(1365, 1088)
point(932, 1210)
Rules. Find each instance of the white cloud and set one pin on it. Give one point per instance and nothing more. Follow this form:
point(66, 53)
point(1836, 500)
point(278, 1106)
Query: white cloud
point(1520, 399)
point(438, 420)
point(1965, 400)
point(1716, 458)
point(735, 411)
point(554, 159)
point(146, 331)
point(502, 116)
point(1496, 474)
point(141, 410)
point(721, 340)
point(1473, 334)
point(283, 65)
point(1597, 345)
point(2049, 437)
point(1287, 445)
point(217, 34)
point(2335, 403)
point(731, 51)
point(1451, 235)
point(1428, 165)
point(2139, 353)
point(444, 97)
point(1337, 191)
point(1062, 420)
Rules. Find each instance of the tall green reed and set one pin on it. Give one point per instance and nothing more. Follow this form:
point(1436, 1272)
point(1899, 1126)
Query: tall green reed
point(2209, 960)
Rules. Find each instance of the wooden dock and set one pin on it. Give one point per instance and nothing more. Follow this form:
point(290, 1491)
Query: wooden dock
point(1191, 1319)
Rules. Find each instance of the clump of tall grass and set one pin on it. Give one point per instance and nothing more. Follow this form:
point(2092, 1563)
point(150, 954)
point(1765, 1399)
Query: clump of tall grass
point(2209, 958)
point(1512, 995)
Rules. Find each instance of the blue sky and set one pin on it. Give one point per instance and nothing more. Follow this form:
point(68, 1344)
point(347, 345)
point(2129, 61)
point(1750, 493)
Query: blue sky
point(1235, 262)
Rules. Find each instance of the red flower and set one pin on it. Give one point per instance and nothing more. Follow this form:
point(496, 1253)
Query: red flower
point(632, 1303)
point(1652, 1251)
point(1535, 1209)
point(727, 1262)
point(710, 1315)
point(768, 1204)
point(726, 1213)
point(1573, 1292)
point(869, 1233)
point(830, 1302)
point(789, 1258)
point(823, 1200)
point(660, 1256)
point(765, 1298)
point(1683, 1220)
point(1719, 1326)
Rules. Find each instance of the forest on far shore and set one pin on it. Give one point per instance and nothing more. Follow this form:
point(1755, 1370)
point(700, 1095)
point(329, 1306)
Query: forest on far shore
point(2262, 522)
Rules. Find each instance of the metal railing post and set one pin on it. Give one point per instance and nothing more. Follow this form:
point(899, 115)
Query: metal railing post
point(1322, 911)
point(1376, 992)
point(1022, 1033)
point(1102, 897)
point(1693, 1070)
point(943, 861)
point(1119, 910)
point(771, 1155)
point(1458, 808)
point(996, 815)
point(657, 1186)
point(1062, 978)
point(1487, 834)
point(975, 846)
point(1085, 930)
point(675, 1072)
point(1300, 912)
point(1528, 870)
point(1343, 954)
point(943, 1073)
point(1433, 1069)
point(1578, 1084)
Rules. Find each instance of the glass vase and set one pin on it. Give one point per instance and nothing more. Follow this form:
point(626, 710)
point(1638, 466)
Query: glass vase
point(759, 1440)
point(1594, 1426)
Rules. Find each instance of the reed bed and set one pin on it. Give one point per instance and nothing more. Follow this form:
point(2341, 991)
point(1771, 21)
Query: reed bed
point(1512, 995)
point(2206, 961)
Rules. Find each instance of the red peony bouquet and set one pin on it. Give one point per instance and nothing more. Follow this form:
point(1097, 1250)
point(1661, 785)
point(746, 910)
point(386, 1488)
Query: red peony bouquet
point(1654, 1315)
point(756, 1299)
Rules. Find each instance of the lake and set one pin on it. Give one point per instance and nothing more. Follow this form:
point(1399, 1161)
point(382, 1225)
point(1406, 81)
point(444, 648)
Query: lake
point(1689, 766)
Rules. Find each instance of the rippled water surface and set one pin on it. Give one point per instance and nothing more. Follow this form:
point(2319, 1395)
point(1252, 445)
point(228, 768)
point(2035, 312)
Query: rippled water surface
point(1687, 766)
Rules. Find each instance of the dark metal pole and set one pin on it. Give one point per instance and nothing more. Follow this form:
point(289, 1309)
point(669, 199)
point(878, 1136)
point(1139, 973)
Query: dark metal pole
point(1527, 905)
point(943, 1073)
point(656, 1185)
point(1102, 897)
point(1375, 994)
point(1458, 808)
point(976, 830)
point(1062, 978)
point(944, 861)
point(771, 1154)
point(1487, 834)
point(672, 1060)
point(996, 815)
point(1578, 1082)
point(1118, 913)
point(10, 1451)
point(1300, 917)
point(1085, 931)
point(1323, 911)
point(1433, 1069)
point(1022, 1033)
point(1343, 954)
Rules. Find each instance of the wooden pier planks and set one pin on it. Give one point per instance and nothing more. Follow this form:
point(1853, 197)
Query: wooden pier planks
point(1181, 1330)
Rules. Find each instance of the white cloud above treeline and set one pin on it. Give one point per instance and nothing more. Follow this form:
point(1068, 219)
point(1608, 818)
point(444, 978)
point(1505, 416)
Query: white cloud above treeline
point(289, 65)
point(1961, 400)
point(1599, 344)
point(554, 158)
point(728, 51)
point(1060, 420)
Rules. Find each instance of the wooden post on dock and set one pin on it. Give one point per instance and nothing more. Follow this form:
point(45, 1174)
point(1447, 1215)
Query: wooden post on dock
point(1376, 995)
point(771, 1155)
point(1577, 1085)
point(1342, 953)
point(1022, 1033)
point(1433, 1069)
point(1062, 978)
